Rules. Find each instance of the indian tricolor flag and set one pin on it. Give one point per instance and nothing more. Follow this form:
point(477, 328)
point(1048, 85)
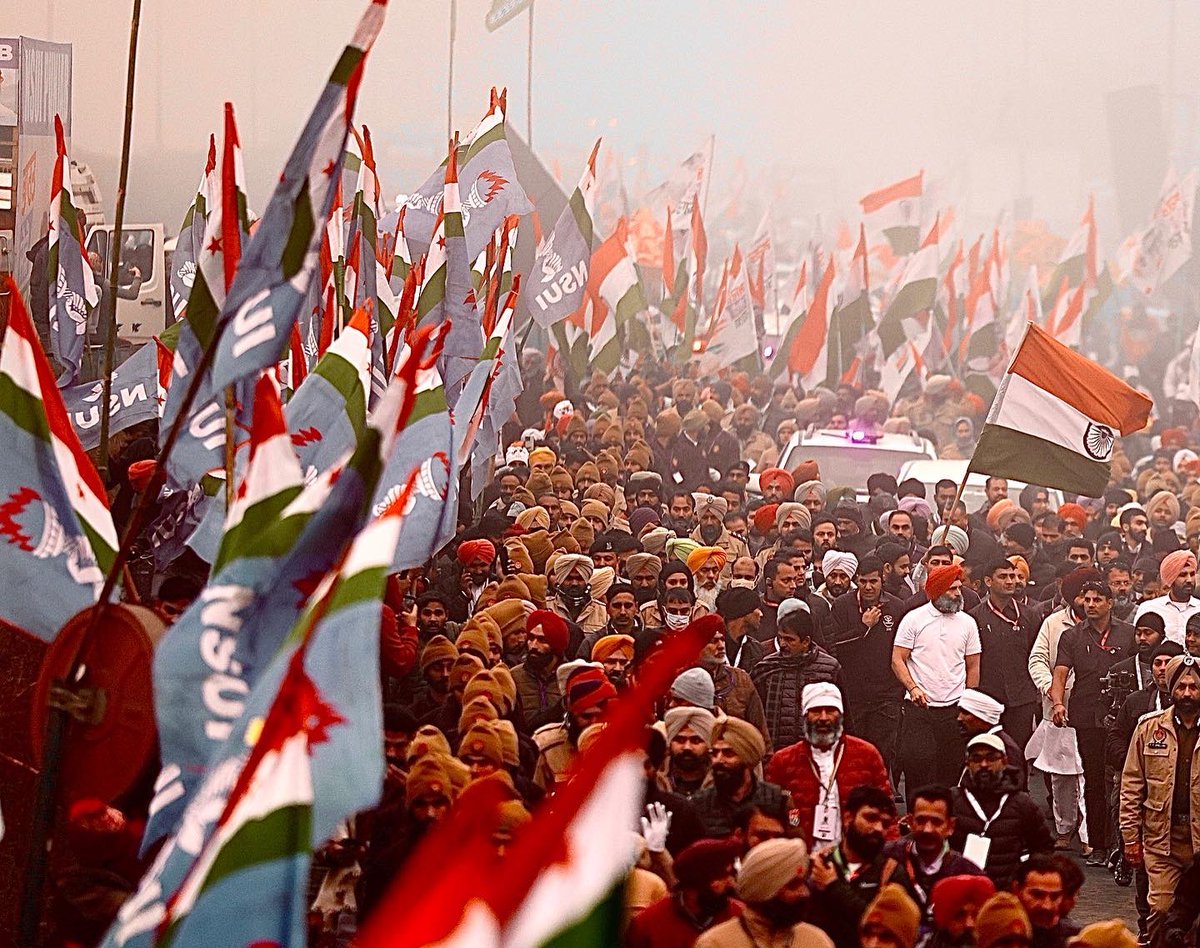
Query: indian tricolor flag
point(1056, 418)
point(895, 212)
point(562, 880)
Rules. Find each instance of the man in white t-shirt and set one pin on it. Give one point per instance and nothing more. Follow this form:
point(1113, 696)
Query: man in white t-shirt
point(936, 657)
point(1178, 576)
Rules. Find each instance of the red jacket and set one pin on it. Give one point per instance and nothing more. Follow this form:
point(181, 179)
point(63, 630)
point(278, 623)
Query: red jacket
point(663, 925)
point(793, 769)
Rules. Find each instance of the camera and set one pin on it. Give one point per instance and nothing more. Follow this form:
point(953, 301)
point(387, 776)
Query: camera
point(1115, 687)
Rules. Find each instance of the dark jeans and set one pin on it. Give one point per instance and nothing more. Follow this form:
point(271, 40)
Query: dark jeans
point(877, 722)
point(931, 747)
point(1091, 749)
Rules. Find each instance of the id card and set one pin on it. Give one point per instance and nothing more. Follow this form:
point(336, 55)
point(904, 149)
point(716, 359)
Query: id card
point(977, 849)
point(826, 824)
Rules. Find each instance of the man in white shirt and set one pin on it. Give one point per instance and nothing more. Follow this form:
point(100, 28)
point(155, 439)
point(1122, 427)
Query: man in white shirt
point(1178, 575)
point(936, 658)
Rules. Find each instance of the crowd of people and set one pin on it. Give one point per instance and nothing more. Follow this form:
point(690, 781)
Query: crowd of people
point(891, 686)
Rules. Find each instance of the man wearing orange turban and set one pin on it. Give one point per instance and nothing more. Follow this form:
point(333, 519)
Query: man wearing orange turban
point(936, 658)
point(706, 564)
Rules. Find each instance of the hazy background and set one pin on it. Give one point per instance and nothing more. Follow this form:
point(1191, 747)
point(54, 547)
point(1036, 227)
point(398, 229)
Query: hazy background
point(1005, 104)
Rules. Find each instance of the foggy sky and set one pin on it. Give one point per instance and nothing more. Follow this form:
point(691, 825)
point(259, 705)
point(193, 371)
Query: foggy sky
point(828, 100)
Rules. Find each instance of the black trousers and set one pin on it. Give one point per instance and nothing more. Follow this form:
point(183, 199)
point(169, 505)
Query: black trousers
point(877, 722)
point(1017, 722)
point(1091, 749)
point(931, 746)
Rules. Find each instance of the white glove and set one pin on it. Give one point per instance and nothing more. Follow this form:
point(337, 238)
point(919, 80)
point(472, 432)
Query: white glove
point(655, 827)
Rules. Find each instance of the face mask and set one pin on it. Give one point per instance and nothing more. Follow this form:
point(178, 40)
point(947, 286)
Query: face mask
point(677, 622)
point(741, 584)
point(573, 596)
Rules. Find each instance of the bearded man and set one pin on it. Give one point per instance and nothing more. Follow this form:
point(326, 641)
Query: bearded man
point(820, 771)
point(936, 658)
point(846, 877)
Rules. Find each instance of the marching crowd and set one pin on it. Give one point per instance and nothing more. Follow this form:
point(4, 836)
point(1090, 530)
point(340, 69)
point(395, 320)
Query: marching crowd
point(858, 642)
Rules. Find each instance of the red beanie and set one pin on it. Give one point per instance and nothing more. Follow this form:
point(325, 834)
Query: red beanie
point(554, 627)
point(587, 688)
point(953, 892)
point(940, 579)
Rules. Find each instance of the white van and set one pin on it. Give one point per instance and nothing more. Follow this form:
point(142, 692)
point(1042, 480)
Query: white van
point(930, 472)
point(848, 458)
point(142, 247)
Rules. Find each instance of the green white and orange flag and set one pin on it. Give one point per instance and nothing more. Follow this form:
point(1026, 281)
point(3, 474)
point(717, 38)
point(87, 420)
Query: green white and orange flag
point(1056, 418)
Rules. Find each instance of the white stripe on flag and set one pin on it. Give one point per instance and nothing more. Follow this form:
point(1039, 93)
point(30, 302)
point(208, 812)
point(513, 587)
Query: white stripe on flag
point(1024, 407)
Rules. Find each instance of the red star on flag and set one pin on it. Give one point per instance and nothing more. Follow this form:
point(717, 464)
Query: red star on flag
point(329, 169)
point(214, 246)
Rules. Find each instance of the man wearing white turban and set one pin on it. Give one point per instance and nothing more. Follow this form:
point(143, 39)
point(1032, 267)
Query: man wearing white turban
point(838, 568)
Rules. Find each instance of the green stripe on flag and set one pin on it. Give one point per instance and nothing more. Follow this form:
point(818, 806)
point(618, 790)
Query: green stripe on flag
point(432, 293)
point(281, 834)
point(253, 536)
point(494, 134)
point(366, 586)
point(339, 373)
point(600, 928)
point(427, 403)
point(26, 411)
point(350, 58)
point(453, 225)
point(303, 224)
point(583, 220)
point(1005, 452)
point(104, 553)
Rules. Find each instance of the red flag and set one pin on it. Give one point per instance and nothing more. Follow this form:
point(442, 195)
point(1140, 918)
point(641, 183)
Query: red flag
point(809, 343)
point(668, 265)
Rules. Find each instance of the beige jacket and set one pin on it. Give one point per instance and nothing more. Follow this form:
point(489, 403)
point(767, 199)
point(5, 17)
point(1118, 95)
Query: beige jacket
point(1044, 654)
point(732, 934)
point(1148, 783)
point(732, 546)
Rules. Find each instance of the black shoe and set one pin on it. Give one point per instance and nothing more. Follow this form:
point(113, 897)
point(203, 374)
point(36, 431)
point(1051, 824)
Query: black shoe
point(1124, 875)
point(1096, 859)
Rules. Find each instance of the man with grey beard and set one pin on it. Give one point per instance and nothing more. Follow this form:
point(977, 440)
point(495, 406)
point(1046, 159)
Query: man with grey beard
point(821, 770)
point(935, 657)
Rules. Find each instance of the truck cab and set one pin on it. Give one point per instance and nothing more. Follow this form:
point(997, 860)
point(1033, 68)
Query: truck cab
point(142, 246)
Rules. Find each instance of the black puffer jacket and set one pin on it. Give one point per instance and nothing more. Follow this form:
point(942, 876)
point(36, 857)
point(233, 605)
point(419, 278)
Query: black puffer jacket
point(780, 680)
point(1018, 830)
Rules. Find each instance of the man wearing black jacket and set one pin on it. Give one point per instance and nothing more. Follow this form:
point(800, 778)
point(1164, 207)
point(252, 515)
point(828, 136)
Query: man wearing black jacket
point(845, 878)
point(1007, 634)
point(993, 816)
point(862, 630)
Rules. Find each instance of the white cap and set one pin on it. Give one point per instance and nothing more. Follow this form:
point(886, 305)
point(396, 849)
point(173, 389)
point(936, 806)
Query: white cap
point(788, 606)
point(821, 694)
point(516, 454)
point(987, 740)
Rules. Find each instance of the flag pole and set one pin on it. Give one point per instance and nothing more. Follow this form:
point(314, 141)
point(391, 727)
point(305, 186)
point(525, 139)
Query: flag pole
point(114, 245)
point(46, 800)
point(230, 448)
point(967, 473)
point(529, 83)
point(450, 71)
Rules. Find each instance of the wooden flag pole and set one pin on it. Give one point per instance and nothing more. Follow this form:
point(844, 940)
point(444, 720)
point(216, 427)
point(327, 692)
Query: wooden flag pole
point(450, 70)
point(114, 244)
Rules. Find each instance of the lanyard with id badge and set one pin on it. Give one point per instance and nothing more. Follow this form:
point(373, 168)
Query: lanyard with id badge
point(978, 845)
point(827, 819)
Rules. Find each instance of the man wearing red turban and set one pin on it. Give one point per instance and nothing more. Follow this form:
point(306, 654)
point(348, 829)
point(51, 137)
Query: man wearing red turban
point(476, 558)
point(936, 658)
